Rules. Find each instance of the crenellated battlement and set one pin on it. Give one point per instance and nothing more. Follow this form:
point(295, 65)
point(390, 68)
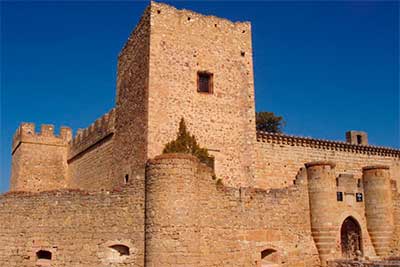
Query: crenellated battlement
point(106, 197)
point(26, 134)
point(283, 139)
point(97, 131)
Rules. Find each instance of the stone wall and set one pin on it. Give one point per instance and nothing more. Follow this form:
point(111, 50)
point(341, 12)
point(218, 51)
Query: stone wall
point(131, 122)
point(183, 43)
point(78, 228)
point(214, 225)
point(364, 263)
point(396, 236)
point(280, 157)
point(90, 156)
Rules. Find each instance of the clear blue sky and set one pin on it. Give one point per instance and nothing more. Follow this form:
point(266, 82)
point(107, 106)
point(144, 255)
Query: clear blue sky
point(327, 67)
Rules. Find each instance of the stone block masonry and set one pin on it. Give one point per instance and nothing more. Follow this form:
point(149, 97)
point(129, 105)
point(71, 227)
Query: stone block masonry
point(279, 158)
point(107, 198)
point(214, 225)
point(90, 156)
point(78, 228)
point(182, 45)
point(39, 158)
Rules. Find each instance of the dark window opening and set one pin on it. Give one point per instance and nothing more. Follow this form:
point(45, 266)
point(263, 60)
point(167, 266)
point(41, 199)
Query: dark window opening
point(359, 197)
point(339, 196)
point(359, 183)
point(158, 11)
point(126, 178)
point(267, 252)
point(359, 139)
point(121, 249)
point(242, 53)
point(43, 254)
point(204, 82)
point(269, 257)
point(337, 181)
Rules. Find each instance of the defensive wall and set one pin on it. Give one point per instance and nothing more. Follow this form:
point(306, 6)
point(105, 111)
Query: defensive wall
point(78, 228)
point(45, 161)
point(262, 205)
point(280, 157)
point(210, 224)
point(214, 225)
point(90, 155)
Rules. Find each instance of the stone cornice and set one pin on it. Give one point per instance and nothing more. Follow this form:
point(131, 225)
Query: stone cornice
point(291, 140)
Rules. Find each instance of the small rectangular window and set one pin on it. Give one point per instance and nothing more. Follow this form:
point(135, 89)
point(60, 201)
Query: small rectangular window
point(205, 82)
point(339, 196)
point(359, 197)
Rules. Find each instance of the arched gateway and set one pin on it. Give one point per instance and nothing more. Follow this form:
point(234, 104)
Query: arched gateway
point(350, 237)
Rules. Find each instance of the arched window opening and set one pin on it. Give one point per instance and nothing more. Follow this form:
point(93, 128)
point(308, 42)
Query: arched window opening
point(43, 254)
point(121, 249)
point(126, 178)
point(350, 238)
point(269, 258)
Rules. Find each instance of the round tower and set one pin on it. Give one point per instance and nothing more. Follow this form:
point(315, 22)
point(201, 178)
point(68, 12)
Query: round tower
point(379, 207)
point(322, 188)
point(171, 210)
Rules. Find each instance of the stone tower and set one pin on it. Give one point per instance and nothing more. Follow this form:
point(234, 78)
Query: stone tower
point(39, 160)
point(180, 64)
point(321, 188)
point(379, 207)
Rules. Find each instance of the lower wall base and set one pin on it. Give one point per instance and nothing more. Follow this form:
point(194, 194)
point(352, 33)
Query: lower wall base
point(76, 227)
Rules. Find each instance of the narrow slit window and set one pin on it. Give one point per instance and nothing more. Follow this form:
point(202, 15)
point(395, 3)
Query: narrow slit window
point(359, 139)
point(205, 82)
point(339, 196)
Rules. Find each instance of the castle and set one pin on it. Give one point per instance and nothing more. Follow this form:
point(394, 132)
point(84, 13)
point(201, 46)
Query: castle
point(107, 197)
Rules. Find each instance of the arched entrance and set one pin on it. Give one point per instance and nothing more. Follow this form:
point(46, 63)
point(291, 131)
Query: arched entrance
point(350, 237)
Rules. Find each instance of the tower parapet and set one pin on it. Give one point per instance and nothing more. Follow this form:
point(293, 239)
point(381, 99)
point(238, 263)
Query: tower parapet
point(39, 158)
point(379, 207)
point(26, 134)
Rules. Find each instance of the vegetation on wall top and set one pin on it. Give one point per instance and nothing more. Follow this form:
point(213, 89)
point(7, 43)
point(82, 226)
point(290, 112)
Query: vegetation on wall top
point(187, 143)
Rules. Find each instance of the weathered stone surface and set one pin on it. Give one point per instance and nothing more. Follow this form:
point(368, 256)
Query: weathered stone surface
point(105, 197)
